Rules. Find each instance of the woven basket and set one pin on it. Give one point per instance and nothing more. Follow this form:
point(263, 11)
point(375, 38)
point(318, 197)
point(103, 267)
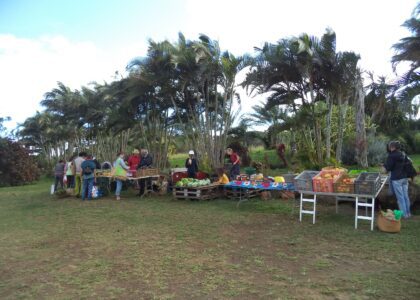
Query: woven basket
point(386, 225)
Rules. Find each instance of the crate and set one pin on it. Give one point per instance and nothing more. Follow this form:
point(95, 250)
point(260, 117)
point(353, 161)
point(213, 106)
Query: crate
point(367, 183)
point(326, 185)
point(303, 182)
point(332, 168)
point(342, 185)
point(206, 192)
point(288, 177)
point(147, 172)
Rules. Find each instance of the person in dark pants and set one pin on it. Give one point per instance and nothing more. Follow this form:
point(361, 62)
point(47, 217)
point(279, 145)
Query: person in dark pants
point(399, 181)
point(145, 163)
point(236, 164)
point(88, 177)
point(59, 174)
point(191, 165)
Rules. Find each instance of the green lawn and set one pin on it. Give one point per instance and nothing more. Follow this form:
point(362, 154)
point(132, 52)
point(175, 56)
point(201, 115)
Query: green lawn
point(159, 248)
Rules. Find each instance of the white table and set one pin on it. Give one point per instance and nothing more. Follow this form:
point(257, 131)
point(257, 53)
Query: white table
point(361, 202)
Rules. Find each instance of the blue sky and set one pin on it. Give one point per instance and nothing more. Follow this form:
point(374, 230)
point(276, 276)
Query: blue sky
point(77, 42)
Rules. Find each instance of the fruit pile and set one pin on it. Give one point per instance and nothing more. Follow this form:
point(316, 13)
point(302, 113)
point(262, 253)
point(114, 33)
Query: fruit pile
point(191, 182)
point(324, 181)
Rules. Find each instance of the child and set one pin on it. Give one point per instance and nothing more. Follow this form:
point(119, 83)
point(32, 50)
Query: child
point(223, 179)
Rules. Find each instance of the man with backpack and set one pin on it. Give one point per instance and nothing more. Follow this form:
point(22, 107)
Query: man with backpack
point(396, 163)
point(88, 176)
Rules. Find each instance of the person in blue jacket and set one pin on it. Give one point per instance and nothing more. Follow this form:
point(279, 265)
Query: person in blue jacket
point(398, 180)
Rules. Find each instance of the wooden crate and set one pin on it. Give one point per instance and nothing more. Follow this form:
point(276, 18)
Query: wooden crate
point(147, 172)
point(206, 192)
point(344, 185)
point(238, 193)
point(326, 185)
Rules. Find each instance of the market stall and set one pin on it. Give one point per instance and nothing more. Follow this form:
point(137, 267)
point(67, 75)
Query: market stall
point(106, 177)
point(339, 183)
point(243, 190)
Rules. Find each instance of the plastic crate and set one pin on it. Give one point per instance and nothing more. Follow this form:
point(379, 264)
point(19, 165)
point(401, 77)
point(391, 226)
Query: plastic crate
point(303, 182)
point(288, 177)
point(326, 185)
point(367, 183)
point(344, 185)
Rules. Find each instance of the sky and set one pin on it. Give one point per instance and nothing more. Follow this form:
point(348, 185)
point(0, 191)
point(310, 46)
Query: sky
point(81, 41)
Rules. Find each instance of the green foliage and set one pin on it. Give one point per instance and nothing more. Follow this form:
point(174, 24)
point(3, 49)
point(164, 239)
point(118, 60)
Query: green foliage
point(376, 150)
point(17, 167)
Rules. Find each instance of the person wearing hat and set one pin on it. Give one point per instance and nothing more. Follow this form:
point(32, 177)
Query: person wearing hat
point(134, 160)
point(191, 165)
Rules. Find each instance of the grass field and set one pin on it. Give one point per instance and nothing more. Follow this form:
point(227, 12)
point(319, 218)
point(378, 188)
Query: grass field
point(159, 248)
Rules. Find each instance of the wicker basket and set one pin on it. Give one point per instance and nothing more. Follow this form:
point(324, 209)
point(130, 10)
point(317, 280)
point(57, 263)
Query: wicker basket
point(386, 225)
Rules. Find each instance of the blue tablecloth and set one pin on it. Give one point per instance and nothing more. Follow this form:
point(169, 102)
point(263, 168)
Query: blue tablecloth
point(273, 186)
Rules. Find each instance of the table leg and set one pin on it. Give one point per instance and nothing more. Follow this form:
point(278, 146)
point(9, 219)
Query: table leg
point(373, 214)
point(356, 213)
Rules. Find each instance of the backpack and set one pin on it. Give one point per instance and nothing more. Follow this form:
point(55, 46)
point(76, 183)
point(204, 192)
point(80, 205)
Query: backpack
point(408, 168)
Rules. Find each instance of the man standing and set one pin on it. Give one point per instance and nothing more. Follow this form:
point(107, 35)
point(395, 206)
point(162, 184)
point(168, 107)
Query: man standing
point(281, 150)
point(191, 165)
point(77, 165)
point(236, 165)
point(146, 162)
point(88, 175)
point(59, 174)
point(398, 181)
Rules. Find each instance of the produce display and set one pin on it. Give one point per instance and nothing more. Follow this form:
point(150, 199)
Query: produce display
point(324, 181)
point(191, 182)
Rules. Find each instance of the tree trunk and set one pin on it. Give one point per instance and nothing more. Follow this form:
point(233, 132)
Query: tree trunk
point(328, 129)
point(361, 142)
point(342, 112)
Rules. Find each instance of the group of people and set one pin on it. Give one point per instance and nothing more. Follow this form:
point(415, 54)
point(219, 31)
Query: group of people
point(80, 172)
point(192, 166)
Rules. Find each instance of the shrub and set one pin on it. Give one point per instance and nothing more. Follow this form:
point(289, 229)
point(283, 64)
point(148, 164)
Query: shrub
point(376, 151)
point(17, 167)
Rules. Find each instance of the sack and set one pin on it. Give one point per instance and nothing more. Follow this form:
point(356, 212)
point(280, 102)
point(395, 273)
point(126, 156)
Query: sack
point(409, 169)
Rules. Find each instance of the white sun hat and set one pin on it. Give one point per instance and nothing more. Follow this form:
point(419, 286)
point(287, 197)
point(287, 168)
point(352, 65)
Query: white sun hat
point(191, 152)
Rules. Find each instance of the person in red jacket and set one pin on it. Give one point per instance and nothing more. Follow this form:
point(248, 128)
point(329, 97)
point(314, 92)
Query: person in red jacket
point(134, 160)
point(236, 163)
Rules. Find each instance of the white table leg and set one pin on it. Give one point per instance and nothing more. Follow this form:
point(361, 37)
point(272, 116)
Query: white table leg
point(357, 212)
point(373, 214)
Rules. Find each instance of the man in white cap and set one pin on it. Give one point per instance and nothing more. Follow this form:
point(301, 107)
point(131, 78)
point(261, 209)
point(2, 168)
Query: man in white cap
point(191, 165)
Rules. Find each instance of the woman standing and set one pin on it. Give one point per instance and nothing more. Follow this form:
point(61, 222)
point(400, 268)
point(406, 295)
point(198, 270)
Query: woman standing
point(236, 164)
point(120, 171)
point(69, 173)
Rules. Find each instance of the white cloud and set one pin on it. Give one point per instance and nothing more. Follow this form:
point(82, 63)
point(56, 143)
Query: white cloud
point(32, 67)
